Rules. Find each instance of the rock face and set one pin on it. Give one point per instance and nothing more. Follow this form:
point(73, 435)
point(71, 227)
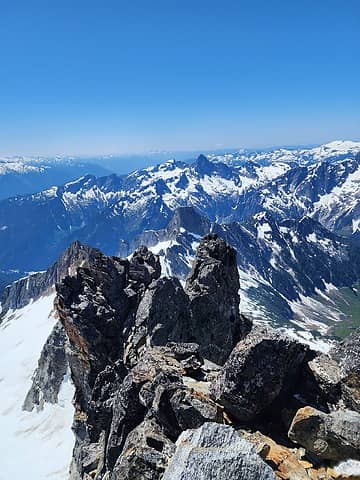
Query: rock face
point(50, 373)
point(216, 452)
point(163, 315)
point(334, 436)
point(96, 307)
point(259, 368)
point(53, 362)
point(213, 289)
point(146, 453)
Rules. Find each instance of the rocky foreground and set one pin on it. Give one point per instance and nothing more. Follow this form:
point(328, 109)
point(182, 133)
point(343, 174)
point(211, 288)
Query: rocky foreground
point(173, 383)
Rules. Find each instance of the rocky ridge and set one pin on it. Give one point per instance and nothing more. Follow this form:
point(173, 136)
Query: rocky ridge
point(162, 371)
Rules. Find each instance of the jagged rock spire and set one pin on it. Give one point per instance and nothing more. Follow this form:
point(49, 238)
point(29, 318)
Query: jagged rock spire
point(213, 288)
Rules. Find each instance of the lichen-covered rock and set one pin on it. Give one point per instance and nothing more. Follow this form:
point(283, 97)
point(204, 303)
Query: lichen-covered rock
point(334, 436)
point(216, 452)
point(213, 289)
point(260, 367)
point(292, 463)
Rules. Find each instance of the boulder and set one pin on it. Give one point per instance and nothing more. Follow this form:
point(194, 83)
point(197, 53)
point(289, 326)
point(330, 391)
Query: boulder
point(260, 367)
point(215, 452)
point(144, 267)
point(337, 375)
point(334, 436)
point(213, 289)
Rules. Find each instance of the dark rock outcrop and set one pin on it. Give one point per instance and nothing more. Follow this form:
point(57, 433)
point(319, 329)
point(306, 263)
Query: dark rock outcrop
point(96, 307)
point(145, 455)
point(21, 292)
point(163, 315)
point(51, 371)
point(141, 351)
point(213, 289)
point(334, 436)
point(216, 452)
point(207, 312)
point(259, 369)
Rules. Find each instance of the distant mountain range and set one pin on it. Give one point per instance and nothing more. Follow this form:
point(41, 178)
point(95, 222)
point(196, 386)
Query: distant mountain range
point(22, 175)
point(108, 212)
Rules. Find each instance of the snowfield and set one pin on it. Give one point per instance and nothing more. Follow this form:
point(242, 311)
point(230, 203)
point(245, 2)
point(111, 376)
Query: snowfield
point(37, 445)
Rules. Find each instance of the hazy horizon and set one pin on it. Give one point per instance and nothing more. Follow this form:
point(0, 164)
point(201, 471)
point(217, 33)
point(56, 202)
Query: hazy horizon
point(190, 151)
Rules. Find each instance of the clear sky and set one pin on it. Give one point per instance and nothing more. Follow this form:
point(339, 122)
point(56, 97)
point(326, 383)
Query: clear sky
point(131, 76)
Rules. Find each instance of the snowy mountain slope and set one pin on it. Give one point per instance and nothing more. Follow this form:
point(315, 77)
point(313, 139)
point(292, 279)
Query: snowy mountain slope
point(107, 211)
point(287, 269)
point(327, 191)
point(42, 439)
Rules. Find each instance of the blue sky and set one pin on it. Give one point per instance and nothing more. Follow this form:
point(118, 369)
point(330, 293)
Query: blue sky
point(131, 76)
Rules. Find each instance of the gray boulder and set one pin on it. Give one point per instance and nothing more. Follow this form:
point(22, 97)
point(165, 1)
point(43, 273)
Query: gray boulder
point(260, 367)
point(216, 452)
point(334, 436)
point(337, 375)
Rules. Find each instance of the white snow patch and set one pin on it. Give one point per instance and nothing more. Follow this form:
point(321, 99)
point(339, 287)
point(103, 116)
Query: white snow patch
point(264, 231)
point(355, 225)
point(349, 467)
point(304, 336)
point(162, 246)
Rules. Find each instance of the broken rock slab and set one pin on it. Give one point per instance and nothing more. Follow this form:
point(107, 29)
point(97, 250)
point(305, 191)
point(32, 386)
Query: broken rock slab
point(216, 452)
